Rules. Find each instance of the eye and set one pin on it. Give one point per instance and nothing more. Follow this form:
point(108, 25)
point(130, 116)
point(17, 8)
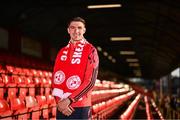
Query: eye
point(72, 27)
point(79, 28)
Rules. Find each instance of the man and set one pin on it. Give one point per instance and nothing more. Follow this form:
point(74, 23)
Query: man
point(74, 75)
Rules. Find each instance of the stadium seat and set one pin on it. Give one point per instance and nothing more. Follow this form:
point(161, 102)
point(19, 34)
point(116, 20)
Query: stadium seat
point(34, 72)
point(12, 90)
point(18, 106)
point(23, 91)
point(10, 68)
point(45, 74)
point(5, 110)
point(31, 89)
point(18, 71)
point(26, 72)
point(52, 104)
point(17, 103)
point(5, 78)
point(30, 85)
point(37, 81)
point(47, 87)
point(32, 105)
point(39, 73)
point(43, 106)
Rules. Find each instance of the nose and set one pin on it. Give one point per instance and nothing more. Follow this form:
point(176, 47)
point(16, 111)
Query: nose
point(76, 30)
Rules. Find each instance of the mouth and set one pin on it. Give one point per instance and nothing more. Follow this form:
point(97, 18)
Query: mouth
point(76, 34)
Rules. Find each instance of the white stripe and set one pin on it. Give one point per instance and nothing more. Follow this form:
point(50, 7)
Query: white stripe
point(57, 92)
point(60, 93)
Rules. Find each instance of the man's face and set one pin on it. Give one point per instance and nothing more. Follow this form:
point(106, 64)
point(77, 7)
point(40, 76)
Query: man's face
point(76, 30)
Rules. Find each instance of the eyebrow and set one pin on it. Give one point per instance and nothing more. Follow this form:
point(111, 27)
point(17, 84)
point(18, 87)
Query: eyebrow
point(74, 26)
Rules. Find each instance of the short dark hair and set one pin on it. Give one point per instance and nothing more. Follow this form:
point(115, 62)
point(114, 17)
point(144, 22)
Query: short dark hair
point(77, 19)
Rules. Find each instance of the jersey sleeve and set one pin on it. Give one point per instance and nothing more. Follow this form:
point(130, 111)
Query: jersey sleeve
point(90, 76)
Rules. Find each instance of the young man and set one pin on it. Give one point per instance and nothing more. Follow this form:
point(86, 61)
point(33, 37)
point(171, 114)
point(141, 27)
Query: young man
point(74, 75)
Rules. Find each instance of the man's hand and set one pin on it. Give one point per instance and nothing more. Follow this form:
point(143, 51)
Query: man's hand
point(63, 106)
point(67, 111)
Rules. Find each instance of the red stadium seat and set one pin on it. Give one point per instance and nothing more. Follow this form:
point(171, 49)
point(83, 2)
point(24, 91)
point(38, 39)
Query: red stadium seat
point(50, 74)
point(39, 73)
point(53, 109)
point(47, 87)
point(47, 91)
point(37, 80)
point(45, 74)
point(34, 72)
point(12, 90)
point(30, 84)
point(10, 68)
point(52, 104)
point(18, 71)
point(50, 99)
point(31, 102)
point(31, 89)
point(41, 100)
point(23, 92)
point(18, 106)
point(33, 106)
point(22, 85)
point(26, 72)
point(43, 105)
point(4, 109)
point(6, 78)
point(17, 103)
point(3, 106)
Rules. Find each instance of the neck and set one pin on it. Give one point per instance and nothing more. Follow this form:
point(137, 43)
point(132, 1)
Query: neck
point(75, 41)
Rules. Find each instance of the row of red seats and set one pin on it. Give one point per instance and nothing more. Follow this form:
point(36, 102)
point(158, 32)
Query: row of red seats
point(31, 107)
point(22, 92)
point(128, 114)
point(11, 86)
point(28, 71)
point(105, 109)
point(24, 71)
point(41, 101)
point(24, 61)
point(25, 92)
point(105, 85)
point(103, 95)
point(148, 111)
point(20, 80)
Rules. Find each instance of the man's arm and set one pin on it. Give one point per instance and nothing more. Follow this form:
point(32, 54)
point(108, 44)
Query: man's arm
point(89, 78)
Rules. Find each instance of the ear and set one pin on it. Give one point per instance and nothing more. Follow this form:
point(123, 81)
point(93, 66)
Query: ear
point(84, 30)
point(68, 30)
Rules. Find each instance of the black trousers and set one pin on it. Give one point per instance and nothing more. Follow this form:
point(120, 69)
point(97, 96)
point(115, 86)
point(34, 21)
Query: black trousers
point(79, 113)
